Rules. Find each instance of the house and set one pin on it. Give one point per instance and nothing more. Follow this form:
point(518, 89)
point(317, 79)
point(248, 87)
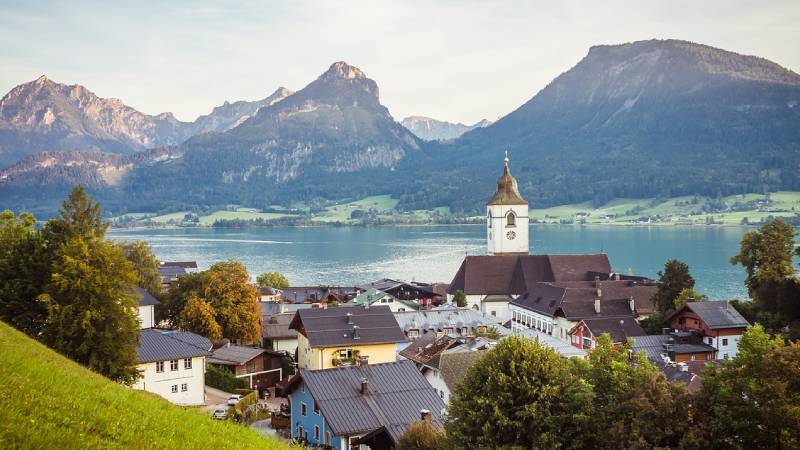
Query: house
point(172, 365)
point(366, 404)
point(444, 360)
point(146, 311)
point(276, 334)
point(261, 367)
point(421, 293)
point(676, 347)
point(330, 337)
point(296, 296)
point(718, 323)
point(268, 294)
point(494, 283)
point(170, 275)
point(585, 333)
point(563, 348)
point(373, 296)
point(187, 266)
point(556, 308)
point(446, 321)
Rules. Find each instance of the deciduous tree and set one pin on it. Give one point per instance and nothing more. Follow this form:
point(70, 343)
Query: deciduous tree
point(275, 280)
point(672, 280)
point(228, 290)
point(460, 299)
point(423, 435)
point(198, 317)
point(766, 254)
point(145, 263)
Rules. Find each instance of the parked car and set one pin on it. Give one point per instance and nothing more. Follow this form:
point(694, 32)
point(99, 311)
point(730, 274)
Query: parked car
point(234, 399)
point(220, 414)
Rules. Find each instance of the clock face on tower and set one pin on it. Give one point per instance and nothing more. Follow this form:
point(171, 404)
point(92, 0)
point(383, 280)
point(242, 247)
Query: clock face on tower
point(511, 235)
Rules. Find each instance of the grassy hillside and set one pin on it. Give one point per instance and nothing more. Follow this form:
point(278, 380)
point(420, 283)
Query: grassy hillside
point(49, 401)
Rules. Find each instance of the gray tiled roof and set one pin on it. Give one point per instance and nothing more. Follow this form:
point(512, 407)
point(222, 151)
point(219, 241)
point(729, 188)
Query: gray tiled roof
point(234, 355)
point(443, 317)
point(145, 298)
point(454, 365)
point(652, 345)
point(163, 345)
point(276, 326)
point(718, 314)
point(329, 327)
point(397, 393)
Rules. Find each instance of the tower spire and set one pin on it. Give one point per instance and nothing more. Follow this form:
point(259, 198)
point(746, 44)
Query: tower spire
point(506, 158)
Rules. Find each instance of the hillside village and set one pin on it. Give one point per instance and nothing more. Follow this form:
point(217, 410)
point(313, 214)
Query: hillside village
point(347, 367)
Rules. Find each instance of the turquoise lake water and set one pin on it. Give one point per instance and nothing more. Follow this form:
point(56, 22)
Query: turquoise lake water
point(354, 255)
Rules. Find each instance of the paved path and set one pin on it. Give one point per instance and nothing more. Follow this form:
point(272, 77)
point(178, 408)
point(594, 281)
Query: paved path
point(216, 398)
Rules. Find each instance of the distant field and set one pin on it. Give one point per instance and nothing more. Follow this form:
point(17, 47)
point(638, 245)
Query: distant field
point(679, 210)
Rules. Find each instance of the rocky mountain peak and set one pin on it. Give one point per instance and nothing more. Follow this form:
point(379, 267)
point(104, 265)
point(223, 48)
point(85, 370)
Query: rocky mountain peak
point(342, 71)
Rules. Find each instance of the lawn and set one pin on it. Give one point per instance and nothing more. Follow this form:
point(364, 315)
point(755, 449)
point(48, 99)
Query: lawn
point(50, 402)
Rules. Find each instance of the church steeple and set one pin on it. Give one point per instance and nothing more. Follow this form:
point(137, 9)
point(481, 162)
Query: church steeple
point(507, 217)
point(507, 191)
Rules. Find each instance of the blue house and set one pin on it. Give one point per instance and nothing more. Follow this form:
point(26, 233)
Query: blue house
point(370, 404)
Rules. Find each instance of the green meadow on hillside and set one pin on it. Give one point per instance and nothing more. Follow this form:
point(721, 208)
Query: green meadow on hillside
point(687, 210)
point(51, 402)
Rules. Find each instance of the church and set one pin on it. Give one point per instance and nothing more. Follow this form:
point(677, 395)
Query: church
point(549, 293)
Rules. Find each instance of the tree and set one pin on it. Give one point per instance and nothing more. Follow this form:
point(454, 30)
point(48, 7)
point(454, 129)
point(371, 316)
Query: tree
point(423, 435)
point(174, 302)
point(24, 271)
point(633, 406)
point(90, 295)
point(688, 295)
point(519, 394)
point(460, 299)
point(753, 399)
point(672, 280)
point(766, 254)
point(228, 290)
point(490, 333)
point(198, 317)
point(275, 280)
point(145, 263)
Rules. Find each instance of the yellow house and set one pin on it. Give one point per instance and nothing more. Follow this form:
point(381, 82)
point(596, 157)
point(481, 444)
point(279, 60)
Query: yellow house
point(333, 337)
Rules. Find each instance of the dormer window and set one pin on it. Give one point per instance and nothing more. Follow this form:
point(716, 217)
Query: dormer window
point(511, 219)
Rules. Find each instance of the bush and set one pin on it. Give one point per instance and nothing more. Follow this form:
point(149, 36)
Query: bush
point(224, 380)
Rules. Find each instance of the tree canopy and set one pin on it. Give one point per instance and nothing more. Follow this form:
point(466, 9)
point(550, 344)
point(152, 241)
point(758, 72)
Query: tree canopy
point(423, 435)
point(145, 263)
point(672, 280)
point(275, 280)
point(766, 254)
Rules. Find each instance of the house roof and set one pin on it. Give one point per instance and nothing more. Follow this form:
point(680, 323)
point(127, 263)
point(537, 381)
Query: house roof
point(169, 272)
point(454, 365)
point(183, 264)
point(651, 345)
point(514, 274)
point(427, 349)
point(397, 392)
point(440, 318)
point(299, 294)
point(369, 296)
point(329, 327)
point(715, 314)
point(507, 192)
point(575, 299)
point(145, 298)
point(163, 345)
point(234, 355)
point(565, 349)
point(619, 329)
point(276, 326)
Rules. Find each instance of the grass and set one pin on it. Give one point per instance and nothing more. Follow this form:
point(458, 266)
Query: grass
point(341, 212)
point(49, 401)
point(240, 213)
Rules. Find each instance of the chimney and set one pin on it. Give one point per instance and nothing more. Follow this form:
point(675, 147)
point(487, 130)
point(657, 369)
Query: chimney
point(598, 285)
point(362, 361)
point(355, 332)
point(364, 386)
point(424, 414)
point(616, 277)
point(349, 318)
point(632, 304)
point(597, 306)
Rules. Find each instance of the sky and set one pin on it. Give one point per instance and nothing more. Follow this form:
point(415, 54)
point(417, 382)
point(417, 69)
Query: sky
point(460, 61)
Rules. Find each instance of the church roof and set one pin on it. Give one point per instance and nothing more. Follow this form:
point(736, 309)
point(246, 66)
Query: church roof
point(515, 274)
point(507, 191)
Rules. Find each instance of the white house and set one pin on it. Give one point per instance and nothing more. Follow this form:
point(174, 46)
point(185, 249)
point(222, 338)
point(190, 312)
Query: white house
point(172, 365)
point(147, 305)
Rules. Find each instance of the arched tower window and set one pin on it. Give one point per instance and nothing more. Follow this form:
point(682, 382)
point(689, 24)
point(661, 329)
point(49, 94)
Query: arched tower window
point(489, 219)
point(511, 219)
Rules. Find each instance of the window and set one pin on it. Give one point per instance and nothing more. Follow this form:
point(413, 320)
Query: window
point(489, 220)
point(693, 357)
point(464, 331)
point(448, 330)
point(303, 410)
point(173, 365)
point(710, 341)
point(346, 353)
point(441, 394)
point(159, 366)
point(511, 219)
point(316, 433)
point(725, 342)
point(494, 313)
point(401, 310)
point(251, 366)
point(187, 363)
point(184, 387)
point(328, 438)
point(413, 333)
point(174, 388)
point(316, 408)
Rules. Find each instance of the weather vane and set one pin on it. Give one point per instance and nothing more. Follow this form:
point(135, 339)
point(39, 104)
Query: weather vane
point(506, 159)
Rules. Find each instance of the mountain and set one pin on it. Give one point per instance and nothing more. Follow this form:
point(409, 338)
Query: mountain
point(47, 116)
point(658, 118)
point(230, 115)
point(438, 130)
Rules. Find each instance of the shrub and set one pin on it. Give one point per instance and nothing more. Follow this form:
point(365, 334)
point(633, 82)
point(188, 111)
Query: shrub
point(224, 380)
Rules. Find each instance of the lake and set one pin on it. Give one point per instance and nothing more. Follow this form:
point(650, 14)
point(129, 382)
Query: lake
point(355, 255)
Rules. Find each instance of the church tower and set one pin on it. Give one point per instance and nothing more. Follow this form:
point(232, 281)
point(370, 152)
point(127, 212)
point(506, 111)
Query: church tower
point(507, 218)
